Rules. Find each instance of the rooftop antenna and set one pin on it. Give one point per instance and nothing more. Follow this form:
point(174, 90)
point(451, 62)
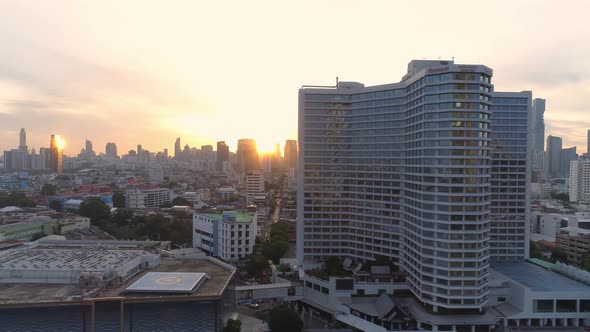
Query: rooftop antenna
point(336, 81)
point(453, 58)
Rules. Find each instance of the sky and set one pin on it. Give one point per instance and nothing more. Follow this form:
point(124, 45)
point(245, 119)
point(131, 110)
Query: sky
point(145, 72)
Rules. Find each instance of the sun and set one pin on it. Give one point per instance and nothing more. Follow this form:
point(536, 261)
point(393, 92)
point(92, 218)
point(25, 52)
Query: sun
point(266, 146)
point(59, 142)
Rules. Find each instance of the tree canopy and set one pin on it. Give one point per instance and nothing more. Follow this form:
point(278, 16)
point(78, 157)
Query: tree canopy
point(95, 209)
point(233, 325)
point(283, 319)
point(118, 199)
point(15, 199)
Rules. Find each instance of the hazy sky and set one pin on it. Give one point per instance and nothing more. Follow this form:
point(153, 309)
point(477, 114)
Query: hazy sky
point(149, 71)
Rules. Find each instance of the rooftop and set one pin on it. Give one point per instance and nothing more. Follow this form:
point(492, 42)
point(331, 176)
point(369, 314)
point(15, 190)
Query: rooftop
point(13, 295)
point(537, 278)
point(240, 216)
point(67, 260)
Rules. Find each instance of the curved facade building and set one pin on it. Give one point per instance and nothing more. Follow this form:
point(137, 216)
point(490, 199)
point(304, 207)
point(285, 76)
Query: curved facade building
point(403, 170)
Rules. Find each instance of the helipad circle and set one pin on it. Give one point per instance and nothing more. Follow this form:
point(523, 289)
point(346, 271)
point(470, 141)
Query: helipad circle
point(168, 280)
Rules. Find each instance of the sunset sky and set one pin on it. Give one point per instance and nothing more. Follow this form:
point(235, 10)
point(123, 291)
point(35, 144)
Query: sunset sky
point(146, 72)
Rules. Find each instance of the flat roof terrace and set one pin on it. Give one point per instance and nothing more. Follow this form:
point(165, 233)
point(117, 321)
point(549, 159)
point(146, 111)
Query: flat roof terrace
point(539, 279)
point(41, 294)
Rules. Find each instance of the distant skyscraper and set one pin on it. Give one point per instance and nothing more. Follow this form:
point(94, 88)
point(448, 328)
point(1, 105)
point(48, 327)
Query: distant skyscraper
point(554, 145)
point(111, 150)
point(177, 150)
point(538, 125)
point(222, 155)
point(89, 149)
point(579, 181)
point(139, 149)
point(420, 171)
point(247, 155)
point(588, 145)
point(23, 140)
point(567, 155)
point(55, 155)
point(290, 154)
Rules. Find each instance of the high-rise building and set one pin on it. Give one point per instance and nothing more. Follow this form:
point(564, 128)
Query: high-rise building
point(290, 154)
point(111, 150)
point(222, 160)
point(177, 149)
point(565, 158)
point(55, 154)
point(22, 146)
point(554, 145)
point(420, 171)
point(247, 155)
point(538, 125)
point(588, 145)
point(579, 181)
point(89, 150)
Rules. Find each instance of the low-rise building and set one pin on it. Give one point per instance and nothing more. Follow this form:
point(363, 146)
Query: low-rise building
point(149, 198)
point(574, 242)
point(229, 235)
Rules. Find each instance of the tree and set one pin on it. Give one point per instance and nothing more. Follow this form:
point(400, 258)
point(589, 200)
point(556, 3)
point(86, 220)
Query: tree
point(274, 250)
point(166, 205)
point(95, 209)
point(535, 250)
point(283, 319)
point(180, 201)
point(256, 264)
point(15, 199)
point(333, 265)
point(233, 325)
point(55, 204)
point(48, 189)
point(118, 199)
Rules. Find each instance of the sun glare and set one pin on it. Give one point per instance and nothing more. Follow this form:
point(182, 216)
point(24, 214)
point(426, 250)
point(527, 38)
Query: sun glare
point(59, 142)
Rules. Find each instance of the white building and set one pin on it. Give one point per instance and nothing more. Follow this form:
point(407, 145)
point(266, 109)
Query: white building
point(420, 171)
point(150, 198)
point(229, 235)
point(579, 181)
point(254, 186)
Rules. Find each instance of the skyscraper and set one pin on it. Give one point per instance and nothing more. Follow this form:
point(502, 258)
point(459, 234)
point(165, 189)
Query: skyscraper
point(588, 145)
point(222, 155)
point(55, 154)
point(290, 154)
point(247, 155)
point(23, 140)
point(177, 149)
point(111, 150)
point(579, 181)
point(420, 171)
point(566, 156)
point(538, 125)
point(554, 145)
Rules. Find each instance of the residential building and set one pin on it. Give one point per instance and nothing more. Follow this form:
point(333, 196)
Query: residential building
point(420, 171)
point(579, 181)
point(229, 235)
point(254, 186)
point(574, 242)
point(148, 198)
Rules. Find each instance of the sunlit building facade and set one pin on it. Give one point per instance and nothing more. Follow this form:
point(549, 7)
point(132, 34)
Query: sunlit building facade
point(414, 171)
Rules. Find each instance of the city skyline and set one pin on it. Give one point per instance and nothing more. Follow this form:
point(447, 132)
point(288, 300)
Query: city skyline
point(104, 71)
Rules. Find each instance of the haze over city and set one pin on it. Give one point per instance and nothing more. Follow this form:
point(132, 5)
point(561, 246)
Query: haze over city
point(145, 73)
